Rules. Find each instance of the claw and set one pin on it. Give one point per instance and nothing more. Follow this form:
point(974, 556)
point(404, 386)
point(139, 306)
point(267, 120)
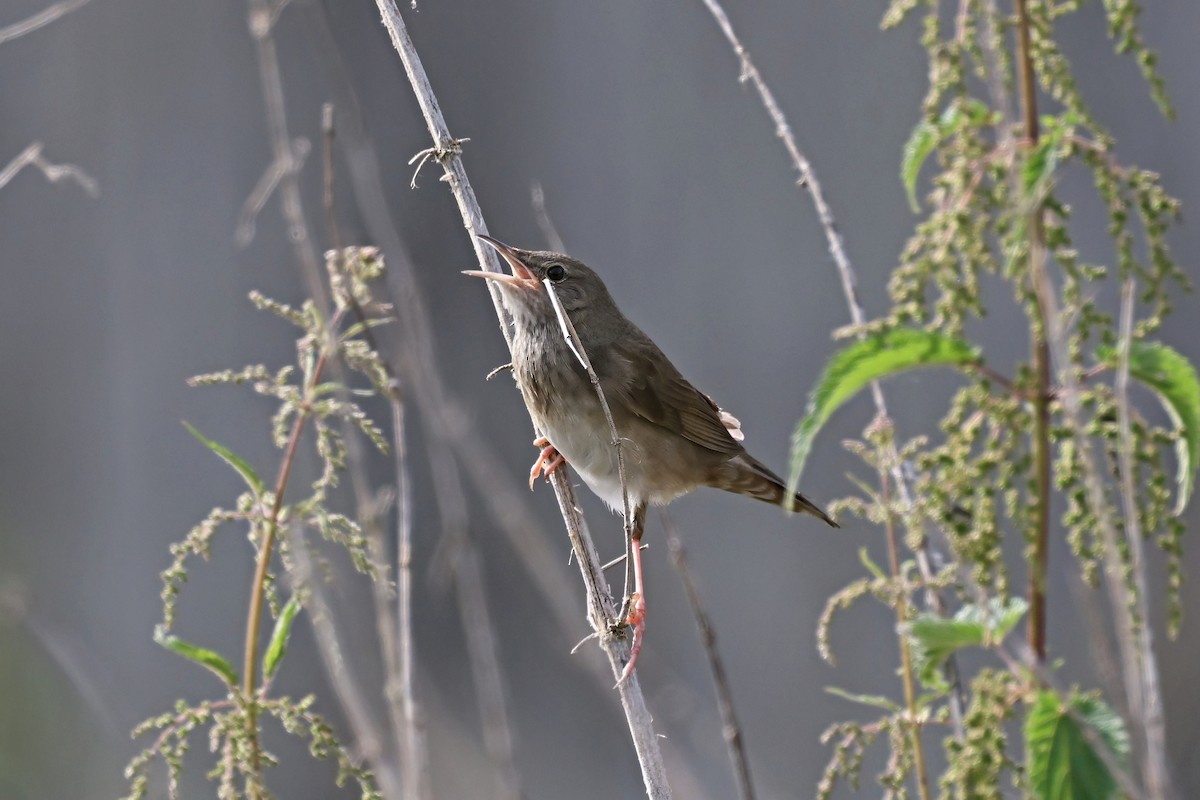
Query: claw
point(637, 619)
point(547, 462)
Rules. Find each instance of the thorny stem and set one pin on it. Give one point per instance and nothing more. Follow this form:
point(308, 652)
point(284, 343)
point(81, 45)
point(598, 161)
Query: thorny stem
point(271, 528)
point(1041, 357)
point(600, 605)
point(906, 668)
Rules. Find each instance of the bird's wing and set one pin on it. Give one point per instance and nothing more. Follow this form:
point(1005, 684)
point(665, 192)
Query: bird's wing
point(656, 392)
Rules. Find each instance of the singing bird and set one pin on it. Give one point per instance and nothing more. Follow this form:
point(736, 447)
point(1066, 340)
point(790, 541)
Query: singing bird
point(674, 437)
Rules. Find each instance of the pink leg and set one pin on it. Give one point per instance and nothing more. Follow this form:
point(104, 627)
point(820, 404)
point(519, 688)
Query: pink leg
point(547, 461)
point(636, 602)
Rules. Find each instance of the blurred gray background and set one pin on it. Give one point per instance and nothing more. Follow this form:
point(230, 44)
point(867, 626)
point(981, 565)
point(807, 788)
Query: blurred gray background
point(660, 170)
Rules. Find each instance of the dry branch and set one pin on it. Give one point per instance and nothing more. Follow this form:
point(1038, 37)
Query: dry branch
point(600, 605)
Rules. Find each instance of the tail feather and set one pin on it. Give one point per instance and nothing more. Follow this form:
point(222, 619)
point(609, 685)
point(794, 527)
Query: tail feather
point(745, 475)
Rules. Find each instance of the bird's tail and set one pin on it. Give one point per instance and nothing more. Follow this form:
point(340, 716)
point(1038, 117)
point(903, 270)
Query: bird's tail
point(744, 474)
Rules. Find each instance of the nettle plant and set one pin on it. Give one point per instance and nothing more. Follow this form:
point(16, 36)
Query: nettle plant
point(306, 397)
point(952, 504)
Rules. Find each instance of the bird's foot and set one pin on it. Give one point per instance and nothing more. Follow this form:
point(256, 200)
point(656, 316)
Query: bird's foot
point(633, 614)
point(548, 460)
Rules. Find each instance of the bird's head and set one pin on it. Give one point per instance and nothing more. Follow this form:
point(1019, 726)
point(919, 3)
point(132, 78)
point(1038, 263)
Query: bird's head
point(525, 291)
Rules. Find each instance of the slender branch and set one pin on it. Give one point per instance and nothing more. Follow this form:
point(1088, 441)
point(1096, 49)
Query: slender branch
point(730, 729)
point(32, 156)
point(849, 280)
point(1148, 706)
point(549, 230)
point(599, 602)
point(40, 19)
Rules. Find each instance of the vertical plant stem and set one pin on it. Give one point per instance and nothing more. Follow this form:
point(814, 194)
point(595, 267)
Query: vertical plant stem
point(729, 722)
point(600, 606)
point(1041, 356)
point(906, 668)
point(1149, 698)
point(263, 565)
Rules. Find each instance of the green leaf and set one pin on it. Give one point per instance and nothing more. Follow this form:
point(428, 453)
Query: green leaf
point(925, 137)
point(999, 619)
point(920, 144)
point(279, 638)
point(1063, 765)
point(936, 638)
point(1038, 170)
point(209, 659)
point(860, 363)
point(245, 470)
point(1173, 378)
point(877, 700)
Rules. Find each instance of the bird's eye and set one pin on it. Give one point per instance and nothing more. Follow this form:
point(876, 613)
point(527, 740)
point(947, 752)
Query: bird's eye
point(556, 272)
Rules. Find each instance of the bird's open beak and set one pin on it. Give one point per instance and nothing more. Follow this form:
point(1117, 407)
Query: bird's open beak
point(521, 277)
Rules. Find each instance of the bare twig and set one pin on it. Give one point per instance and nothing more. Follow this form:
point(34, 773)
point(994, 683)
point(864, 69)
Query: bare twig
point(573, 342)
point(849, 280)
point(349, 694)
point(32, 156)
point(599, 601)
point(40, 19)
point(549, 231)
point(730, 729)
point(1145, 700)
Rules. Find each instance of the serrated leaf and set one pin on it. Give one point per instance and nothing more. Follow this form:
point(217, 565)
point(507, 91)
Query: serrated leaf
point(279, 638)
point(232, 459)
point(1173, 379)
point(1062, 762)
point(853, 367)
point(999, 619)
point(210, 659)
point(876, 700)
point(936, 638)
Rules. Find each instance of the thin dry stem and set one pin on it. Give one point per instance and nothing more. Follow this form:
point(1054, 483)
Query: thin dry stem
point(1145, 702)
point(32, 156)
point(599, 601)
point(368, 745)
point(549, 231)
point(39, 20)
point(730, 728)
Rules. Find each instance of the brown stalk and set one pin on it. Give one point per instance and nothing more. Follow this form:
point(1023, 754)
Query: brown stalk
point(270, 531)
point(1040, 354)
point(906, 666)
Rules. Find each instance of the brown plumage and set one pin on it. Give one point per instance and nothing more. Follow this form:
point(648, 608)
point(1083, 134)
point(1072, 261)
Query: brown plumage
point(674, 437)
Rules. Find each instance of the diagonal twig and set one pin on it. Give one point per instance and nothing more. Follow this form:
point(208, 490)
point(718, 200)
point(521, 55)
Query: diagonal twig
point(40, 19)
point(600, 604)
point(32, 156)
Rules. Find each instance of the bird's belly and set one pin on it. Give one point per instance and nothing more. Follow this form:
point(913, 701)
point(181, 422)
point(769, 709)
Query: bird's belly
point(652, 474)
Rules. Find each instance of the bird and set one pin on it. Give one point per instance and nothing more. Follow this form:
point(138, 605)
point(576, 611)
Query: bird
point(674, 438)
